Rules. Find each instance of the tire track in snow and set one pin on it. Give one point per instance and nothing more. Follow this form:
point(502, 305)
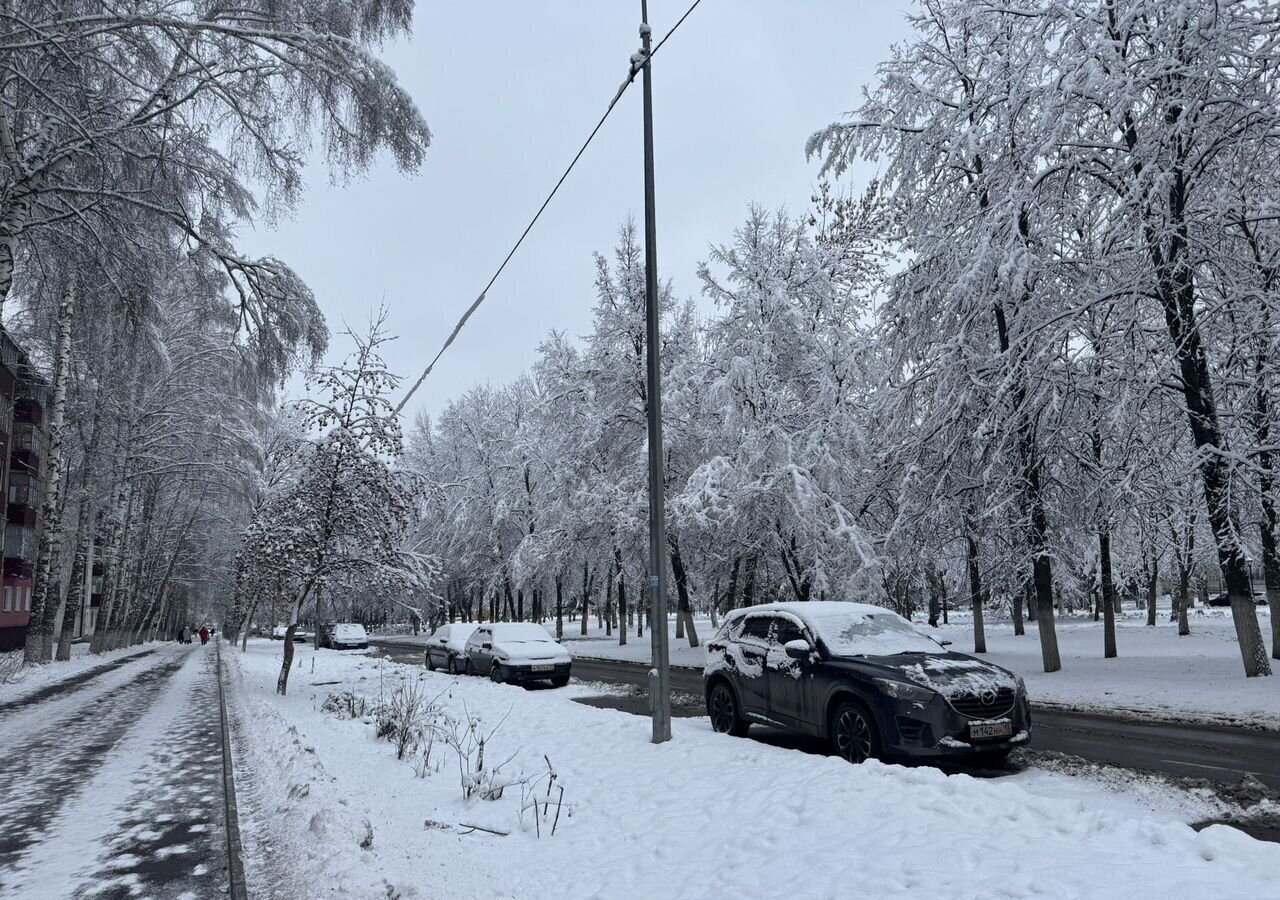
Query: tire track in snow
point(53, 766)
point(69, 685)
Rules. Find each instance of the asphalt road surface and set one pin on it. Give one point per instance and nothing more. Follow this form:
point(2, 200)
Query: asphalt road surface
point(112, 784)
point(1216, 753)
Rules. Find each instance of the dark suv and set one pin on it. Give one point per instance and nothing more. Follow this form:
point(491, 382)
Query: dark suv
point(863, 678)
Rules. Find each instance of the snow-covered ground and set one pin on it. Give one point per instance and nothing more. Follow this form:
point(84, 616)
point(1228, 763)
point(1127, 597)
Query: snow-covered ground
point(1157, 673)
point(705, 815)
point(26, 680)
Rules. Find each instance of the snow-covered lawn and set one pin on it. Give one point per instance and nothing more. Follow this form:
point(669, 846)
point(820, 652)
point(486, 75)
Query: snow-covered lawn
point(26, 680)
point(1157, 673)
point(705, 815)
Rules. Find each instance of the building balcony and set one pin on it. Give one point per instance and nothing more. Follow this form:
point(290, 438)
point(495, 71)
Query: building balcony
point(28, 409)
point(26, 448)
point(16, 567)
point(22, 515)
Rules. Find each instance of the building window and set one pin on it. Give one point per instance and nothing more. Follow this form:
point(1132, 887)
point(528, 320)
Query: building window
point(22, 488)
point(8, 598)
point(20, 542)
point(28, 590)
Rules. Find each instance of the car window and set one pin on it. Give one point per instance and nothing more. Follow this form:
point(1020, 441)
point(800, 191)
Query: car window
point(757, 627)
point(788, 630)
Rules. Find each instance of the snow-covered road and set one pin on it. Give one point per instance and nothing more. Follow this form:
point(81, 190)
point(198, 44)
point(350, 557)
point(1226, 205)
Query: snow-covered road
point(112, 786)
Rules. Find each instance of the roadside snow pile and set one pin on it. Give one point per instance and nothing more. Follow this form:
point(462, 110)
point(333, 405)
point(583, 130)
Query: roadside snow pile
point(18, 681)
point(702, 816)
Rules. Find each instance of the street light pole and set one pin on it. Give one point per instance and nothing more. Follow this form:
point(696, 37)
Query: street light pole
point(659, 674)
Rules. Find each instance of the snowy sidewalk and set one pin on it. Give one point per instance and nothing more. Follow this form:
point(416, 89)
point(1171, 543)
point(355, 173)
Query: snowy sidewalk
point(112, 787)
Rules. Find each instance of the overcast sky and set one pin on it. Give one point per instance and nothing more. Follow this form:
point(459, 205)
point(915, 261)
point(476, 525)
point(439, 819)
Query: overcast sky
point(510, 89)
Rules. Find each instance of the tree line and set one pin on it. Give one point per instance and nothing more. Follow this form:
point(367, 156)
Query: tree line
point(1029, 366)
point(135, 139)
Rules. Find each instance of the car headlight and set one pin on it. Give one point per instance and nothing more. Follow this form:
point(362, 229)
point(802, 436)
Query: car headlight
point(903, 690)
point(501, 659)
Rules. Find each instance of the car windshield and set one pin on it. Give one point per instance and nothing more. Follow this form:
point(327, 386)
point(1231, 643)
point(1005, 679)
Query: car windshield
point(517, 631)
point(869, 634)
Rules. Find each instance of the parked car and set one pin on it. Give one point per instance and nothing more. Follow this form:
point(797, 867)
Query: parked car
point(343, 636)
point(447, 645)
point(863, 678)
point(278, 634)
point(517, 652)
point(1224, 599)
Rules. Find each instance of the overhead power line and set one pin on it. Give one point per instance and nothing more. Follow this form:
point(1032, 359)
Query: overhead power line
point(637, 63)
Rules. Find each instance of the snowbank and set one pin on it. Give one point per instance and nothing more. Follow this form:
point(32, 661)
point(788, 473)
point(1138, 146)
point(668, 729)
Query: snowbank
point(702, 816)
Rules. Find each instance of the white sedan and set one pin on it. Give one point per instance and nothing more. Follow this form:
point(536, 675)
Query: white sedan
point(445, 647)
point(517, 652)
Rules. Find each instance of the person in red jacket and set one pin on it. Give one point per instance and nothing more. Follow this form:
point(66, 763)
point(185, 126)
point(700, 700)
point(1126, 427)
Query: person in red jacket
point(204, 634)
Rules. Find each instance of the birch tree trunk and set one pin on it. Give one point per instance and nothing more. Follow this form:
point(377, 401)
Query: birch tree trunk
point(44, 598)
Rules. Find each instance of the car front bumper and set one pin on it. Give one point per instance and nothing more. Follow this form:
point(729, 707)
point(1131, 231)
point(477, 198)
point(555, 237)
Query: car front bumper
point(527, 672)
point(937, 730)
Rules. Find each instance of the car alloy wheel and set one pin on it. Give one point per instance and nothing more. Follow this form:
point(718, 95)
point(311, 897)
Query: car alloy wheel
point(495, 673)
point(431, 663)
point(723, 708)
point(853, 733)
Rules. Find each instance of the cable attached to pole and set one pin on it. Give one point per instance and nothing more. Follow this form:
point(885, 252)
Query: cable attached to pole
point(637, 63)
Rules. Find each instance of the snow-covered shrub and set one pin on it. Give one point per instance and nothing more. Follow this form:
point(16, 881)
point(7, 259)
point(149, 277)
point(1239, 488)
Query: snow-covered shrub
point(469, 741)
point(346, 705)
point(541, 801)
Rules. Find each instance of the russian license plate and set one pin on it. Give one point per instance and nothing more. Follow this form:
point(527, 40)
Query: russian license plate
point(544, 668)
point(997, 729)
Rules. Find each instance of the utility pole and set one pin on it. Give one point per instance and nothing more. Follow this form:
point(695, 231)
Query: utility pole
point(659, 674)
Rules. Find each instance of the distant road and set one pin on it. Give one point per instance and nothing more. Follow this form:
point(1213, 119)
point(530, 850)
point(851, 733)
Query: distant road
point(1213, 752)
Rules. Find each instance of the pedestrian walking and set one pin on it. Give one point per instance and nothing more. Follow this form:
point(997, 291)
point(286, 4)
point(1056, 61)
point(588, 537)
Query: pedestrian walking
point(204, 634)
point(182, 635)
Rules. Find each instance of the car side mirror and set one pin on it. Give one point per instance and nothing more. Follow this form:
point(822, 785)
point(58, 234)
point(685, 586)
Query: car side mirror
point(486, 646)
point(797, 649)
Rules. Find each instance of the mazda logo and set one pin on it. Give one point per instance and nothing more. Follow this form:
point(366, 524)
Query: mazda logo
point(988, 696)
